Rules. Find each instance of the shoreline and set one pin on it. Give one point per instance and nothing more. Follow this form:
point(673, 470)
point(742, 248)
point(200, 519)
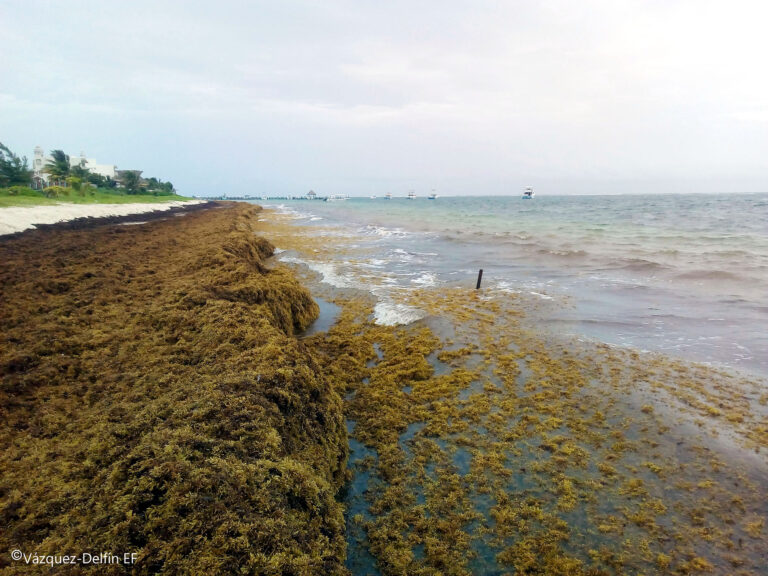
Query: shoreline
point(165, 381)
point(152, 382)
point(533, 451)
point(17, 219)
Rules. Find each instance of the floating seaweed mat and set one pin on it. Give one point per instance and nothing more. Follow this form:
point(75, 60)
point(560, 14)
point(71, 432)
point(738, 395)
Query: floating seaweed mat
point(527, 454)
point(154, 399)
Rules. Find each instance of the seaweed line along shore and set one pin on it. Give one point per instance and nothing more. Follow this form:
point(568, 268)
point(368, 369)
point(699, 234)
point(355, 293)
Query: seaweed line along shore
point(217, 394)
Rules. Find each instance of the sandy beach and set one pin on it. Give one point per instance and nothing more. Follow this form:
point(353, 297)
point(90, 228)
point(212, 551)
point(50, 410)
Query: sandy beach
point(19, 218)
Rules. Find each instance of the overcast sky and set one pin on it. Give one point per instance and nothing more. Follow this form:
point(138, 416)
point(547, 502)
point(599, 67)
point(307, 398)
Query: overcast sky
point(363, 97)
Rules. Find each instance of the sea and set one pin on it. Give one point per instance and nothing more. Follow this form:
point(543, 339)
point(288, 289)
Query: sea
point(683, 275)
point(650, 277)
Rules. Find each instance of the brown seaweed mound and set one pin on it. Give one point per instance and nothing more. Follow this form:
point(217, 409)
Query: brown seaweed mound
point(154, 399)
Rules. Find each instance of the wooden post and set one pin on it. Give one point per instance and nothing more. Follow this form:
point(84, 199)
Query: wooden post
point(479, 279)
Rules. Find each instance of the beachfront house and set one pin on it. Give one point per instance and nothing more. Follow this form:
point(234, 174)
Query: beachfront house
point(40, 159)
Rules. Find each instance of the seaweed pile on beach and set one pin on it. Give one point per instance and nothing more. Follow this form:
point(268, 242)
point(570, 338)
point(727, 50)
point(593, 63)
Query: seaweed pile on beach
point(154, 399)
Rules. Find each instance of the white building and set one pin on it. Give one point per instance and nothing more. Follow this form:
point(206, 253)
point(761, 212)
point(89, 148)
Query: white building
point(40, 159)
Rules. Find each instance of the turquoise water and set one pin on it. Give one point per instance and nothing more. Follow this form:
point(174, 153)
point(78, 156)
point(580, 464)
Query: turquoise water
point(686, 275)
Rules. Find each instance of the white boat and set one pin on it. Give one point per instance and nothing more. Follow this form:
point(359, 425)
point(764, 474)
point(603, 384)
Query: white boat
point(336, 197)
point(387, 196)
point(528, 193)
point(373, 196)
point(433, 196)
point(411, 195)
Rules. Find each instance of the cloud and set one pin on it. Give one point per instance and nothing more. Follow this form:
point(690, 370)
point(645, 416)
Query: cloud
point(354, 91)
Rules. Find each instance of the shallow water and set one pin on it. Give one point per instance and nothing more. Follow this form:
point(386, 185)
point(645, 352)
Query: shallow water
point(329, 312)
point(588, 455)
point(683, 274)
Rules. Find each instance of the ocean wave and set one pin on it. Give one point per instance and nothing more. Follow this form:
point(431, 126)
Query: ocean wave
point(575, 254)
point(502, 286)
point(374, 263)
point(372, 230)
point(330, 275)
point(401, 255)
point(542, 296)
point(288, 211)
point(391, 314)
point(327, 271)
point(425, 279)
point(709, 275)
point(292, 259)
point(638, 265)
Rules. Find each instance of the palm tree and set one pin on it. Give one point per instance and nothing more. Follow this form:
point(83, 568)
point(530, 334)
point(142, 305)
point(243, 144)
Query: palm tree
point(13, 170)
point(57, 166)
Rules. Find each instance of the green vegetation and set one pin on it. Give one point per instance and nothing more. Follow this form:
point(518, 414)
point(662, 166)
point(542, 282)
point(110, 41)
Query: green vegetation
point(58, 167)
point(84, 194)
point(16, 178)
point(154, 399)
point(131, 181)
point(13, 170)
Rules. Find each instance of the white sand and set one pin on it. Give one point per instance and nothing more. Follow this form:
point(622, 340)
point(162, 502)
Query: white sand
point(18, 218)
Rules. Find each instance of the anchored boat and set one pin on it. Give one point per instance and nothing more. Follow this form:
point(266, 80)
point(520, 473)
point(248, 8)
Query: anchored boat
point(528, 193)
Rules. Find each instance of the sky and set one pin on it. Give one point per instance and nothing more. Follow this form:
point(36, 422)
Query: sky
point(367, 97)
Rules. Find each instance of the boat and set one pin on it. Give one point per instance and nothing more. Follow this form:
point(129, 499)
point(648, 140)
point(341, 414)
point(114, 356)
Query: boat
point(411, 195)
point(528, 193)
point(373, 196)
point(388, 196)
point(336, 197)
point(432, 196)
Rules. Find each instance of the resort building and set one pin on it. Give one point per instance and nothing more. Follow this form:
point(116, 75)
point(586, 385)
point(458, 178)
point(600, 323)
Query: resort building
point(40, 159)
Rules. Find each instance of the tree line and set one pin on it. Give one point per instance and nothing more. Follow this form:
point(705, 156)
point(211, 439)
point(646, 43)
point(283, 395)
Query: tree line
point(15, 171)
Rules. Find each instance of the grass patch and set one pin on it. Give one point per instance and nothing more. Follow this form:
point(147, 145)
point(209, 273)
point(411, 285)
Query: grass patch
point(22, 196)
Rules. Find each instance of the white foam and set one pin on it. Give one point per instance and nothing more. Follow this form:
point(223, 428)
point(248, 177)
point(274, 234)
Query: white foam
point(426, 279)
point(506, 287)
point(374, 263)
point(383, 232)
point(327, 271)
point(330, 275)
point(292, 260)
point(391, 314)
point(542, 296)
